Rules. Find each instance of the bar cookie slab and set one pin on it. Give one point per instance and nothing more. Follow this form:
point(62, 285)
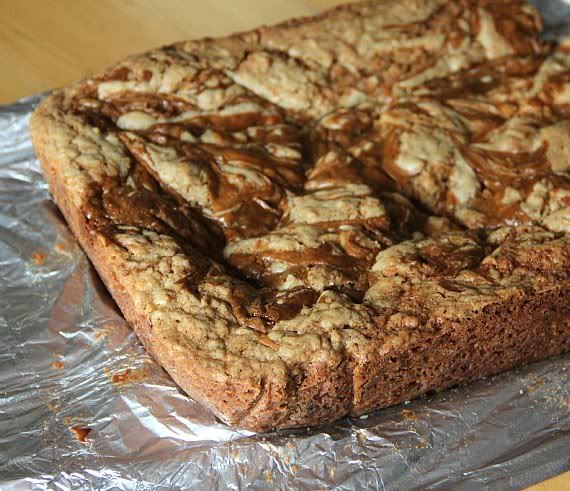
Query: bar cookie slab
point(236, 198)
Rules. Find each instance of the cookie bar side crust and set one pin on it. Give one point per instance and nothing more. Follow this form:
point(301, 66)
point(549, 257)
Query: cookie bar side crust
point(501, 336)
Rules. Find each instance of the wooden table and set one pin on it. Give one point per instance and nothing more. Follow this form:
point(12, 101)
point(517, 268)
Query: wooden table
point(46, 44)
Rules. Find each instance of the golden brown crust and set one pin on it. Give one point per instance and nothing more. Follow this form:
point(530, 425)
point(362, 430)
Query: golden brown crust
point(233, 197)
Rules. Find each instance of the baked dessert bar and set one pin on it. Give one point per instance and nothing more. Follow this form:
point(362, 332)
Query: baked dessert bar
point(331, 215)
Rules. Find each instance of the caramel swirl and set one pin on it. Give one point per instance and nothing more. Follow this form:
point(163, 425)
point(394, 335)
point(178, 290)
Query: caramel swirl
point(484, 145)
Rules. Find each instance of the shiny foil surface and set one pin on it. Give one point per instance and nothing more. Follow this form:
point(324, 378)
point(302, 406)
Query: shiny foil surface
point(83, 406)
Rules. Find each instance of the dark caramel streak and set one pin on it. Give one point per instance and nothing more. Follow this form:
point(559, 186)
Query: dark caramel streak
point(261, 308)
point(515, 25)
point(144, 204)
point(337, 169)
point(505, 167)
point(347, 149)
point(326, 254)
point(281, 172)
point(446, 260)
point(242, 210)
point(481, 79)
point(375, 226)
point(520, 171)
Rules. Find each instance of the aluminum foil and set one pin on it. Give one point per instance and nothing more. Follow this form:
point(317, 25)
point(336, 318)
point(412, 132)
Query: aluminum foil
point(83, 406)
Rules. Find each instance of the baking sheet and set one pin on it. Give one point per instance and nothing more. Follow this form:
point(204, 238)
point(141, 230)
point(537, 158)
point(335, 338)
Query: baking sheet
point(71, 369)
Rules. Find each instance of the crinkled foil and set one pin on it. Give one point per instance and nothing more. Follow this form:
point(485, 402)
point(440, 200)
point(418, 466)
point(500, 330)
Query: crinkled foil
point(71, 370)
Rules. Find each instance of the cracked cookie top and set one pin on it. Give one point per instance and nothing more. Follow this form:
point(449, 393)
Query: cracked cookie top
point(326, 185)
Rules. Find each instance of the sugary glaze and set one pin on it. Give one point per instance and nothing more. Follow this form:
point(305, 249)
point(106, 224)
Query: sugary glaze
point(282, 203)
